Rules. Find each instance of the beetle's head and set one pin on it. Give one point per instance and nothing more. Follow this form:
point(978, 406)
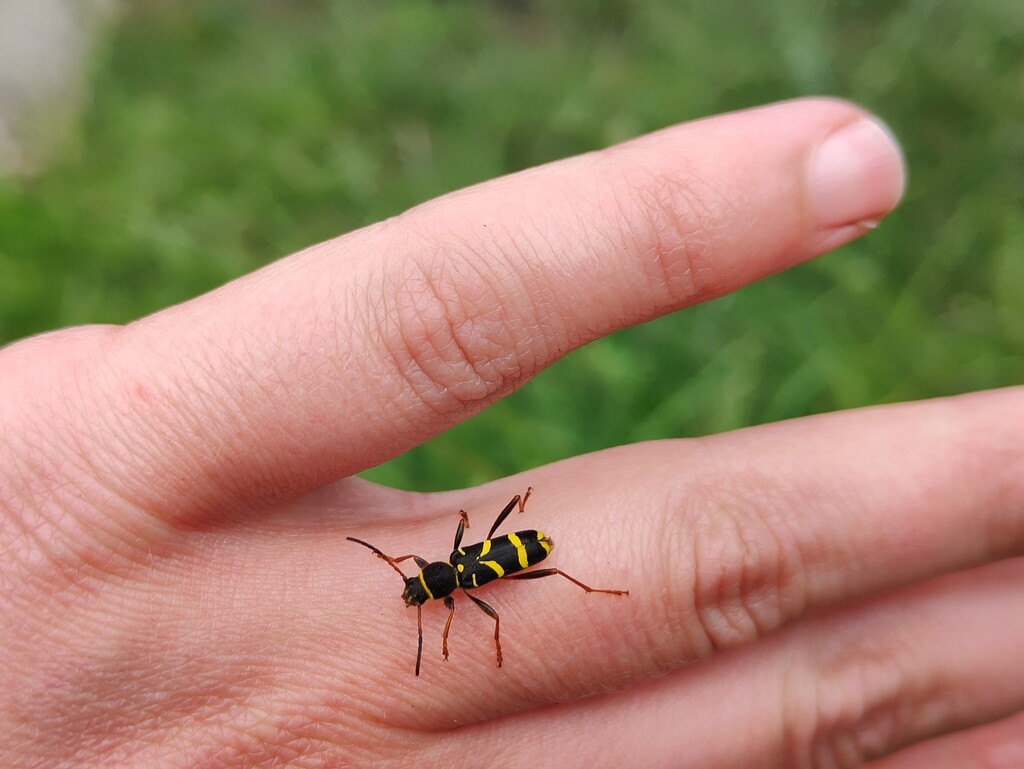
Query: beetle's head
point(414, 594)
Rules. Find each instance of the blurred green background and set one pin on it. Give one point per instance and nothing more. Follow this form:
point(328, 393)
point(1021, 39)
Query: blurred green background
point(221, 135)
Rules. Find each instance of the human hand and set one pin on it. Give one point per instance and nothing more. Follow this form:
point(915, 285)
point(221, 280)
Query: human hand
point(177, 586)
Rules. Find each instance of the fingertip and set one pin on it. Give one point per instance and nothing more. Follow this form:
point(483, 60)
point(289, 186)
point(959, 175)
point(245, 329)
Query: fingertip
point(856, 175)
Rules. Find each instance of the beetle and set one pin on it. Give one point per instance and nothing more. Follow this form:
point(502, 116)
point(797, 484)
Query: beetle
point(473, 566)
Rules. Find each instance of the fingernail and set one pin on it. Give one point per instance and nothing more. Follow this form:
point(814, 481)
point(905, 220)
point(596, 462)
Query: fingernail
point(856, 175)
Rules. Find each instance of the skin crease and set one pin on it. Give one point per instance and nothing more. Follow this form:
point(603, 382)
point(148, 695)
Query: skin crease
point(177, 589)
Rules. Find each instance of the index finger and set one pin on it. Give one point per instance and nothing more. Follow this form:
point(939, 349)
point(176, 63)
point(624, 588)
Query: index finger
point(351, 352)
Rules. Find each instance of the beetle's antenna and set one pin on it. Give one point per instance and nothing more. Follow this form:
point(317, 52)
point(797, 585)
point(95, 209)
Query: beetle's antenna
point(389, 559)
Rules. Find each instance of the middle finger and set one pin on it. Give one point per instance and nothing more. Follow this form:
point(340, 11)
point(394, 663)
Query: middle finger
point(719, 541)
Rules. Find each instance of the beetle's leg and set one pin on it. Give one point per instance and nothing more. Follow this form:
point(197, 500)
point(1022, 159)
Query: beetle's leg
point(421, 562)
point(450, 603)
point(419, 629)
point(539, 573)
point(497, 622)
point(517, 500)
point(463, 525)
point(526, 496)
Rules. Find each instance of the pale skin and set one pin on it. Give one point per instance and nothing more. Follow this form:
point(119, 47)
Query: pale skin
point(175, 496)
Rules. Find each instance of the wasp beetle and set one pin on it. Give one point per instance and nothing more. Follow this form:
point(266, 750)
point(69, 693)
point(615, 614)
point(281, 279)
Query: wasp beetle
point(473, 566)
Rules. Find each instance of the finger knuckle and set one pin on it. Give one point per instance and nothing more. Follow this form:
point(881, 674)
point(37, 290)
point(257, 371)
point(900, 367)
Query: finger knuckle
point(448, 329)
point(746, 569)
point(855, 703)
point(675, 219)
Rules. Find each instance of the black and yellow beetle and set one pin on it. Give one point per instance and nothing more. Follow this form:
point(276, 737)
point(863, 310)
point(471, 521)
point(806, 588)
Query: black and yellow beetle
point(473, 566)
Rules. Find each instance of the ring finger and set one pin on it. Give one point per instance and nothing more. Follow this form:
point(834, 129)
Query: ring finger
point(833, 691)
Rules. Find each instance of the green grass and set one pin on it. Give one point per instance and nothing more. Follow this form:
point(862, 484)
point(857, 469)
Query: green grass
point(222, 135)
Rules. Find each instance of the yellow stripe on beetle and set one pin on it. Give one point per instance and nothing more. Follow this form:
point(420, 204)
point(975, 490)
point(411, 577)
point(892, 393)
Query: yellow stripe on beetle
point(425, 588)
point(495, 566)
point(520, 550)
point(544, 542)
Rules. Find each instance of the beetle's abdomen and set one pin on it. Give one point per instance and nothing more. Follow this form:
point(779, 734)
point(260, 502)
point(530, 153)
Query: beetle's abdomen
point(492, 559)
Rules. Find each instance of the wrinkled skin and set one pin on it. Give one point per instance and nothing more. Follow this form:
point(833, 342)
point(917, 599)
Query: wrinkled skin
point(175, 497)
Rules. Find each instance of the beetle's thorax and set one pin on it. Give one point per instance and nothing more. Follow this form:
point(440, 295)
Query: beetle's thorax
point(437, 580)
